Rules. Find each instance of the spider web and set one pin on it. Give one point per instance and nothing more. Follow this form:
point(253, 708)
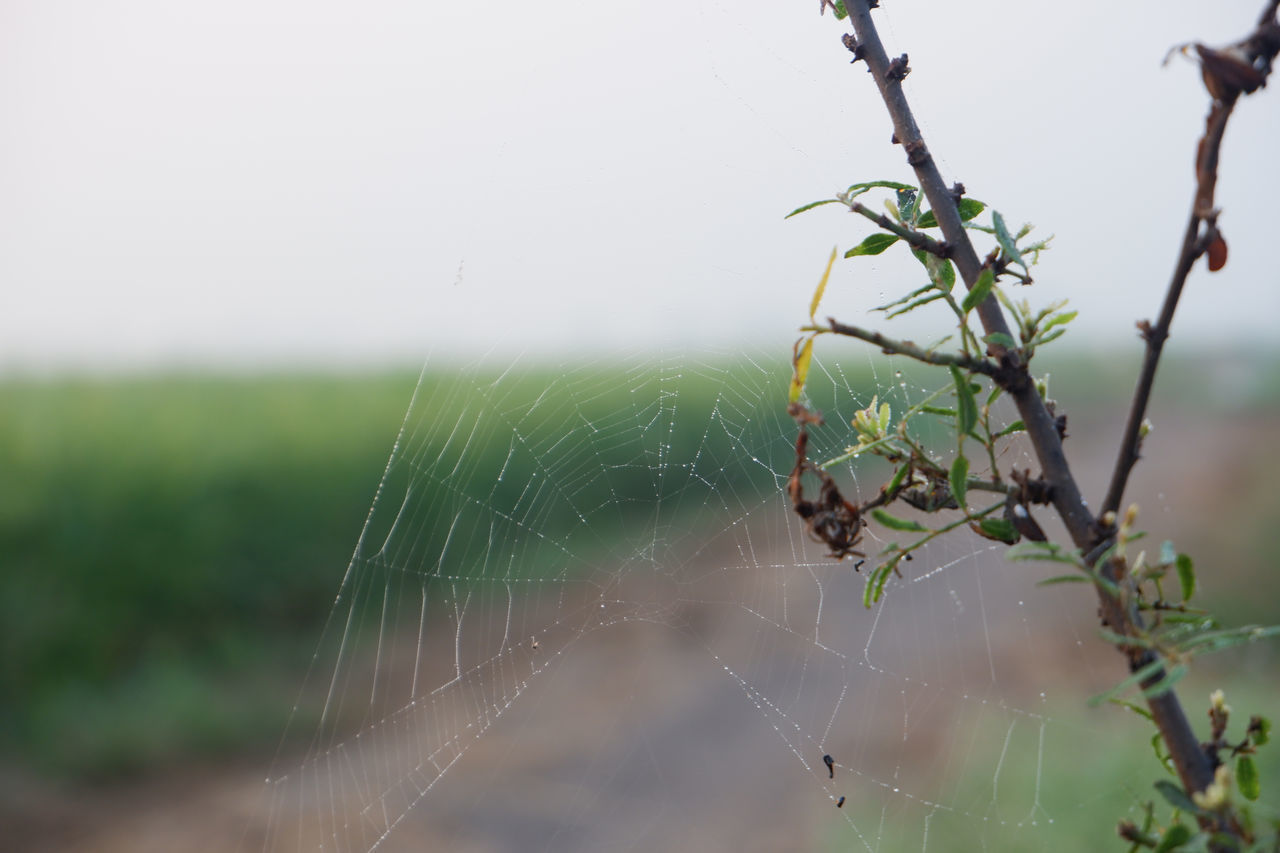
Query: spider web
point(581, 616)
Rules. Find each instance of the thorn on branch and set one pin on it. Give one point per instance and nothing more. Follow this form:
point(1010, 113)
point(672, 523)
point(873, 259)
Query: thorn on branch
point(1032, 491)
point(1153, 336)
point(957, 192)
point(852, 45)
point(898, 68)
point(894, 140)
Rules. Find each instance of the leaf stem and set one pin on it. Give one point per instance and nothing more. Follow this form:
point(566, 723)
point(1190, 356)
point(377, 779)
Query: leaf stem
point(915, 238)
point(907, 348)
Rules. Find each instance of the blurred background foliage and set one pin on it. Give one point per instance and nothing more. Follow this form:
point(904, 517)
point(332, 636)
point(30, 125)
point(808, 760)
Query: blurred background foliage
point(172, 545)
point(168, 541)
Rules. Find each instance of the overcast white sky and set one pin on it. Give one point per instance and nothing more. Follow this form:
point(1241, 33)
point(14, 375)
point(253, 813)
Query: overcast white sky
point(267, 182)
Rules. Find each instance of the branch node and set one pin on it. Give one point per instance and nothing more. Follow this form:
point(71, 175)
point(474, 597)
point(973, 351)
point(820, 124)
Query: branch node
point(917, 153)
point(1036, 490)
point(853, 47)
point(898, 68)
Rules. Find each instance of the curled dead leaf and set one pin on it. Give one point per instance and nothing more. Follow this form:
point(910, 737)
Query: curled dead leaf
point(1228, 72)
point(1217, 253)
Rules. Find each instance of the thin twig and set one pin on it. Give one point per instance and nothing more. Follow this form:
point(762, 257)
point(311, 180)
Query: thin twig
point(907, 348)
point(1194, 244)
point(1192, 763)
point(915, 238)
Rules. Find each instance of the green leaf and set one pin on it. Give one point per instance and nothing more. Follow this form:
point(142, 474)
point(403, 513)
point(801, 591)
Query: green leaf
point(1137, 709)
point(999, 528)
point(924, 300)
point(894, 523)
point(1172, 676)
point(1048, 551)
point(1058, 320)
point(979, 292)
point(1006, 240)
point(1137, 677)
point(885, 573)
point(969, 208)
point(1001, 339)
point(801, 371)
point(859, 189)
point(1175, 836)
point(996, 391)
point(822, 286)
point(942, 273)
point(948, 273)
point(811, 205)
point(1216, 641)
point(1016, 426)
point(966, 406)
point(1123, 640)
point(1176, 797)
point(912, 295)
point(1057, 579)
point(907, 203)
point(876, 582)
point(1247, 777)
point(1157, 746)
point(928, 220)
point(1186, 576)
point(873, 245)
point(897, 479)
point(840, 11)
point(1198, 619)
point(1041, 340)
point(959, 478)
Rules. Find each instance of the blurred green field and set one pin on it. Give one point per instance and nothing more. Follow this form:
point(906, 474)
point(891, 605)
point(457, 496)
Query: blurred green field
point(166, 540)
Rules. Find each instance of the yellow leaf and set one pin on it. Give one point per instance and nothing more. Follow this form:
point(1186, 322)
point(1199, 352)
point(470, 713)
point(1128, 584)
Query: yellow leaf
point(822, 286)
point(801, 365)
